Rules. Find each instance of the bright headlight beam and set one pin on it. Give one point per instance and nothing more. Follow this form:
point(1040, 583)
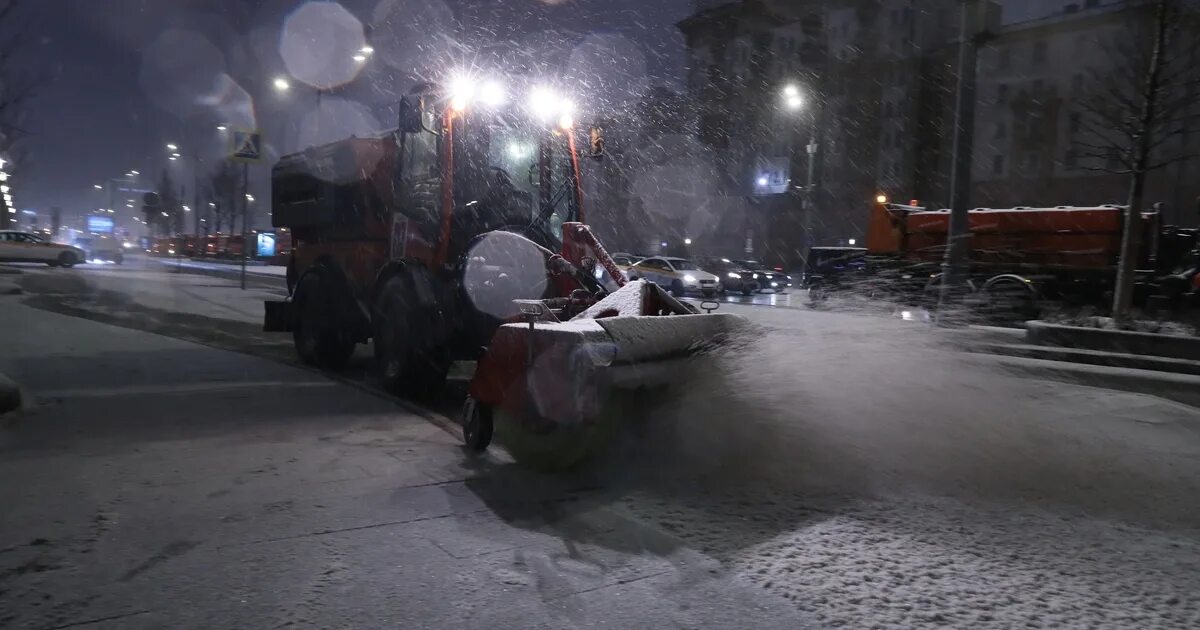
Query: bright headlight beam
point(544, 103)
point(491, 93)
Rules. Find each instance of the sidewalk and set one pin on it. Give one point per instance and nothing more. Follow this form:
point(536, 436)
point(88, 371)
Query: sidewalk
point(165, 484)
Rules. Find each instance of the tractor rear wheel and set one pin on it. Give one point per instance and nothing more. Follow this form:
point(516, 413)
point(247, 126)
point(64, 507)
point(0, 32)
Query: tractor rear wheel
point(320, 338)
point(408, 359)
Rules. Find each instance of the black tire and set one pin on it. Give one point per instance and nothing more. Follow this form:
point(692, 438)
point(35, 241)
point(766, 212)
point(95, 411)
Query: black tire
point(118, 259)
point(478, 425)
point(677, 288)
point(747, 290)
point(66, 259)
point(409, 363)
point(320, 338)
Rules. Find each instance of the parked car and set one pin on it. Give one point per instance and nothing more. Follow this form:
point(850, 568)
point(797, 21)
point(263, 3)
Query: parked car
point(679, 275)
point(732, 276)
point(768, 279)
point(25, 247)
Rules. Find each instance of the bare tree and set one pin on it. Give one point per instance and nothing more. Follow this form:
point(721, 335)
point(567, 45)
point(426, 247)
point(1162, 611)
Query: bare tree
point(165, 216)
point(224, 186)
point(1141, 108)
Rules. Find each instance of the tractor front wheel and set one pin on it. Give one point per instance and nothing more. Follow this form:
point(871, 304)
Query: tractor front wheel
point(477, 425)
point(408, 360)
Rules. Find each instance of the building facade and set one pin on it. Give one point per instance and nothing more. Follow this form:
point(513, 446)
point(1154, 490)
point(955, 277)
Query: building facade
point(880, 77)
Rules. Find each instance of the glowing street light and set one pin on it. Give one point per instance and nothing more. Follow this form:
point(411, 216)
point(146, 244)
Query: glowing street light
point(687, 241)
point(359, 57)
point(171, 146)
point(249, 197)
point(881, 198)
point(97, 187)
point(222, 127)
point(133, 173)
point(281, 84)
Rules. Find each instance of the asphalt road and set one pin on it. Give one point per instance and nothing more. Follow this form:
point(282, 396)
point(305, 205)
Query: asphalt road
point(831, 470)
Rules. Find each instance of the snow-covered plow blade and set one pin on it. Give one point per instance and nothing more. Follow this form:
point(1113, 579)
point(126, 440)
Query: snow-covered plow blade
point(553, 390)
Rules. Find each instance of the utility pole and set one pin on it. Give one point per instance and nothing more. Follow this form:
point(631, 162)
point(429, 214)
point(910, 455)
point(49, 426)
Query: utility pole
point(245, 215)
point(954, 265)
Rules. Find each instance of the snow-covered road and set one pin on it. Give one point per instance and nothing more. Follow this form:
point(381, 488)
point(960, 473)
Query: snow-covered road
point(858, 468)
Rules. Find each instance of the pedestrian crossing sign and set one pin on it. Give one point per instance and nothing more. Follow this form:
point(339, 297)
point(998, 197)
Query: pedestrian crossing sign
point(247, 146)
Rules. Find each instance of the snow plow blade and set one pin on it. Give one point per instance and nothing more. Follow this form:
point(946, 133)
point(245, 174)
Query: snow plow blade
point(553, 389)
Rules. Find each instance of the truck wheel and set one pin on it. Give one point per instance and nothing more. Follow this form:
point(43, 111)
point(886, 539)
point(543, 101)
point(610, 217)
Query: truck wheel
point(320, 338)
point(408, 361)
point(477, 425)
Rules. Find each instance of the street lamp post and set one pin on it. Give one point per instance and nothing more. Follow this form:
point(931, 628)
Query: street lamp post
point(793, 101)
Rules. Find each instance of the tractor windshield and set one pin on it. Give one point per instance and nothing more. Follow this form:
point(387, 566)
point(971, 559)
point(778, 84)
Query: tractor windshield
point(498, 175)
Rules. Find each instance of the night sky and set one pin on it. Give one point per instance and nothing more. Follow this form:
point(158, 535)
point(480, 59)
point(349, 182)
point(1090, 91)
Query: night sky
point(121, 78)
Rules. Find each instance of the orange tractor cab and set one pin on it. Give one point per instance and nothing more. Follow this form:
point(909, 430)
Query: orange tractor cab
point(461, 236)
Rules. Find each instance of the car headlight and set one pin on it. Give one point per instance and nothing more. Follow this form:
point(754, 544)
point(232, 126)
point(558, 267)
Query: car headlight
point(689, 278)
point(734, 275)
point(755, 276)
point(774, 284)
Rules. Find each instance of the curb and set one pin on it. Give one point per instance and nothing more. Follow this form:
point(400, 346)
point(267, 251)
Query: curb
point(10, 395)
point(1181, 388)
point(1172, 346)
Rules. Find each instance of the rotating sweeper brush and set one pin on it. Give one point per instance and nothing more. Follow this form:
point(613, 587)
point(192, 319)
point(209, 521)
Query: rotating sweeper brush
point(553, 390)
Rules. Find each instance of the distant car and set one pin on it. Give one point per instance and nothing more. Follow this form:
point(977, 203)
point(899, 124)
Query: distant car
point(768, 279)
point(679, 275)
point(625, 261)
point(829, 269)
point(732, 276)
point(105, 248)
point(25, 247)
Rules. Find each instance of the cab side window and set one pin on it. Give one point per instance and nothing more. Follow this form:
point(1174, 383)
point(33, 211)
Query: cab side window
point(420, 181)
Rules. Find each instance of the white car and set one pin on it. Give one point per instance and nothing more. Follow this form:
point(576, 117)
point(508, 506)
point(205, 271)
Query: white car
point(679, 275)
point(25, 247)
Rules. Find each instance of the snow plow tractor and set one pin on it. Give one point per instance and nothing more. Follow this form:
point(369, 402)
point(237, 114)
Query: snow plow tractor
point(460, 236)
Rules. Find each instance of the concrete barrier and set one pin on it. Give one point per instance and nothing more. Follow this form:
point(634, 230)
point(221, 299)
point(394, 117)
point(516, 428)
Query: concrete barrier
point(1153, 344)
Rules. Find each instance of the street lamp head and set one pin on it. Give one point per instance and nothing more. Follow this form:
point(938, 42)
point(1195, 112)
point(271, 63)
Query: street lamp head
point(281, 84)
point(763, 181)
point(687, 241)
point(222, 127)
point(791, 90)
point(360, 58)
point(366, 50)
point(881, 198)
point(171, 146)
point(133, 173)
point(97, 187)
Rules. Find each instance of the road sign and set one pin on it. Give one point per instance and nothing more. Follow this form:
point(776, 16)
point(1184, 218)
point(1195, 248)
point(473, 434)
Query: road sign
point(247, 146)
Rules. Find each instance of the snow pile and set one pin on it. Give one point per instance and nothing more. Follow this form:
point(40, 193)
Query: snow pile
point(853, 466)
point(625, 302)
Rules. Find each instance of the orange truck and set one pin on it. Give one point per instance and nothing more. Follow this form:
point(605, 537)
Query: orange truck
point(1017, 256)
